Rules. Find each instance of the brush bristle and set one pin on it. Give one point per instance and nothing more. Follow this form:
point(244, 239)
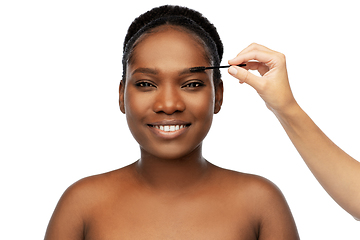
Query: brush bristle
point(197, 69)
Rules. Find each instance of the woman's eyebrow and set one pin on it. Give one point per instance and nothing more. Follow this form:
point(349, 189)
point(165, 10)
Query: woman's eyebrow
point(145, 70)
point(188, 71)
point(153, 71)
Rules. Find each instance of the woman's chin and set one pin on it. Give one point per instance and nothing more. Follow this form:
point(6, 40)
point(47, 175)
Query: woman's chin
point(170, 152)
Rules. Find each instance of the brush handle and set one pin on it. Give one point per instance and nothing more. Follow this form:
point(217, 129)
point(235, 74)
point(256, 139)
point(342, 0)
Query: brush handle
point(240, 65)
point(202, 68)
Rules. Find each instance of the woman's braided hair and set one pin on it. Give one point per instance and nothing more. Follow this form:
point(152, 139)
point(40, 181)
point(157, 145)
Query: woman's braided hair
point(186, 18)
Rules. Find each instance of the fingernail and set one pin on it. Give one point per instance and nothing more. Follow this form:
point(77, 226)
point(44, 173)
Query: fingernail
point(233, 71)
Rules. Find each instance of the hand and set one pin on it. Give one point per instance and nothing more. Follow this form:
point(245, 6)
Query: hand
point(273, 85)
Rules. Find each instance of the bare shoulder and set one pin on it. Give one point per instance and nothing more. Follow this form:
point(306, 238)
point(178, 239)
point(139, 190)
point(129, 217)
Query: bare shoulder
point(101, 183)
point(262, 200)
point(257, 189)
point(253, 191)
point(91, 189)
point(75, 205)
point(254, 185)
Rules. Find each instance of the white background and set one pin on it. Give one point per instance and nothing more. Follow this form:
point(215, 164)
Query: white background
point(60, 66)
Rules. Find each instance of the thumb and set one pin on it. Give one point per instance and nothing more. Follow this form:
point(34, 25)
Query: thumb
point(244, 76)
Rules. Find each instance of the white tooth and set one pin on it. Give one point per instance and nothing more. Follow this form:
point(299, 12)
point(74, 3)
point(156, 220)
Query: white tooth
point(169, 128)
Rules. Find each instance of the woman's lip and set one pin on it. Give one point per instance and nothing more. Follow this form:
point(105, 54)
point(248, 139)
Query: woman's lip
point(169, 122)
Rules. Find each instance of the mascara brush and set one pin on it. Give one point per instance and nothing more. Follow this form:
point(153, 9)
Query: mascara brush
point(202, 68)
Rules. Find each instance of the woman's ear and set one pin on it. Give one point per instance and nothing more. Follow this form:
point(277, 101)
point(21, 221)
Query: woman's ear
point(219, 90)
point(121, 96)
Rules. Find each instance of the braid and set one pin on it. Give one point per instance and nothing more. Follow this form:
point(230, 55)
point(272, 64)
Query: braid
point(175, 15)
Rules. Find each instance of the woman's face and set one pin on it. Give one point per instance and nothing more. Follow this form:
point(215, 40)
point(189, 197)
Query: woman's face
point(169, 110)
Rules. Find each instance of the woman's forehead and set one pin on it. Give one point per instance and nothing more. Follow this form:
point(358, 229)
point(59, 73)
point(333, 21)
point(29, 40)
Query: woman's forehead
point(170, 45)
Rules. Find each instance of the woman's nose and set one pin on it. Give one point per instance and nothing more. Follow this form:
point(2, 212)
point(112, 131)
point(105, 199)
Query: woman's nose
point(169, 101)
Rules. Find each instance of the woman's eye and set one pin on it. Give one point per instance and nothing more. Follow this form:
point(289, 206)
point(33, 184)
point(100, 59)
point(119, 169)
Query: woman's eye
point(194, 85)
point(144, 84)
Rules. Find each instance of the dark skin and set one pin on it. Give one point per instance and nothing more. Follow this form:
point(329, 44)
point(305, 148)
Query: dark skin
point(171, 192)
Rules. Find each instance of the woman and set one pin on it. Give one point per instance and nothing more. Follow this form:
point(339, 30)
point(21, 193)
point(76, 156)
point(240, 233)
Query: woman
point(171, 192)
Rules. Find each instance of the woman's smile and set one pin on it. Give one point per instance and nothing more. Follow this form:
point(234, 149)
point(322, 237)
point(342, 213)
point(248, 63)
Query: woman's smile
point(169, 129)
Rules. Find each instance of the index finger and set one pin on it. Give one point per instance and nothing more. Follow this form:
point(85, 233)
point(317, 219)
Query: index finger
point(259, 53)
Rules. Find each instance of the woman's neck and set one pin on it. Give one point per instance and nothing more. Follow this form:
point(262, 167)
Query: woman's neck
point(172, 175)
